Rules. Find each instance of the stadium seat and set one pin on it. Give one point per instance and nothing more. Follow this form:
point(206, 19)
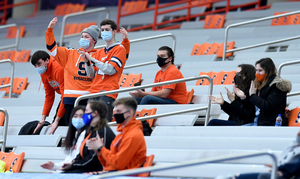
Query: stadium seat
point(148, 112)
point(287, 20)
point(294, 119)
point(19, 85)
point(203, 82)
point(13, 161)
point(12, 32)
point(214, 21)
point(4, 81)
point(2, 118)
point(132, 79)
point(190, 95)
point(148, 163)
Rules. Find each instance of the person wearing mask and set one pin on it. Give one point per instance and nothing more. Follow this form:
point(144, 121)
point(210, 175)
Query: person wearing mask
point(128, 149)
point(240, 110)
point(95, 124)
point(167, 94)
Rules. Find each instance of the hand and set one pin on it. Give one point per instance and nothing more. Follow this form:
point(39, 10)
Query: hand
point(42, 121)
point(217, 100)
point(66, 166)
point(231, 96)
point(85, 56)
point(94, 143)
point(53, 126)
point(252, 89)
point(137, 93)
point(124, 33)
point(49, 165)
point(239, 92)
point(52, 23)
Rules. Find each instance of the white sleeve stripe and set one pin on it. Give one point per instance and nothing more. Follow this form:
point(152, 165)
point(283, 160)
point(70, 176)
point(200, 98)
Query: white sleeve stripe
point(54, 52)
point(117, 61)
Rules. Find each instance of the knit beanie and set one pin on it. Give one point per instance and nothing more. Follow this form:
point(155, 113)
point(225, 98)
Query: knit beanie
point(93, 30)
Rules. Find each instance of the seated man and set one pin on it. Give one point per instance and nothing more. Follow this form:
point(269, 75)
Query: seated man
point(128, 149)
point(167, 94)
point(52, 75)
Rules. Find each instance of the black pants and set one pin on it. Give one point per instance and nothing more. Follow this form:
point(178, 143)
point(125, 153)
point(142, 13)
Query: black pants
point(108, 101)
point(62, 120)
point(69, 108)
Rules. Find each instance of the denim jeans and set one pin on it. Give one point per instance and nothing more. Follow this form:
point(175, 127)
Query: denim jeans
point(149, 99)
point(219, 122)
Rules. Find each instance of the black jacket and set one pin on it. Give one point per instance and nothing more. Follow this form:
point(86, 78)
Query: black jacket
point(90, 161)
point(271, 100)
point(240, 111)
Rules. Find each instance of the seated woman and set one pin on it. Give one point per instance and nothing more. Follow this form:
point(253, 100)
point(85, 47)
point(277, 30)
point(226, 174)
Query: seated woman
point(73, 140)
point(268, 93)
point(96, 123)
point(240, 110)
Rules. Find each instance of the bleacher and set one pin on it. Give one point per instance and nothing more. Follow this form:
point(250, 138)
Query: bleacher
point(175, 138)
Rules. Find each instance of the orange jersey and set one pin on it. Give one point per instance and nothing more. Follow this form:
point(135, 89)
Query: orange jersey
point(178, 93)
point(77, 82)
point(127, 150)
point(116, 56)
point(53, 80)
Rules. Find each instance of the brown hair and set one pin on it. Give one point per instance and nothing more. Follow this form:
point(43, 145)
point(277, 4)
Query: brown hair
point(128, 102)
point(101, 108)
point(112, 23)
point(268, 65)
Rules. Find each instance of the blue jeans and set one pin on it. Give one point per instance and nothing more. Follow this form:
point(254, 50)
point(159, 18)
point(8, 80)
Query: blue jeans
point(219, 122)
point(149, 99)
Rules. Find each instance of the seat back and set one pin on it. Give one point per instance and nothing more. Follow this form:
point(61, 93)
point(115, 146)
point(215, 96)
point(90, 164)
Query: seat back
point(132, 79)
point(190, 95)
point(13, 161)
point(148, 112)
point(294, 119)
point(148, 163)
point(19, 85)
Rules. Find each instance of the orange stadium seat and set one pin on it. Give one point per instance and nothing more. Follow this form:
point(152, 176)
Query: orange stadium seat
point(195, 49)
point(190, 95)
point(147, 163)
point(203, 82)
point(214, 21)
point(148, 112)
point(132, 79)
point(294, 119)
point(125, 7)
point(12, 32)
point(200, 81)
point(229, 80)
point(13, 161)
point(294, 19)
point(230, 45)
point(20, 84)
point(208, 21)
point(2, 118)
point(4, 81)
point(22, 56)
point(281, 20)
point(122, 80)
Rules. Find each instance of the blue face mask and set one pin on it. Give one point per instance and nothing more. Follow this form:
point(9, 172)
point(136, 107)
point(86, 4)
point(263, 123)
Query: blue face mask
point(84, 43)
point(42, 69)
point(87, 118)
point(106, 35)
point(78, 123)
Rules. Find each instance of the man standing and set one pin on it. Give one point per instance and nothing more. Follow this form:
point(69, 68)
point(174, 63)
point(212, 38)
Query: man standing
point(167, 94)
point(107, 67)
point(128, 149)
point(52, 75)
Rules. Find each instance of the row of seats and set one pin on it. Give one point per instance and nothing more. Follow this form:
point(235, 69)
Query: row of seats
point(287, 20)
point(77, 28)
point(196, 2)
point(12, 32)
point(19, 84)
point(214, 21)
point(212, 49)
point(68, 8)
point(219, 78)
point(16, 56)
point(13, 162)
point(134, 6)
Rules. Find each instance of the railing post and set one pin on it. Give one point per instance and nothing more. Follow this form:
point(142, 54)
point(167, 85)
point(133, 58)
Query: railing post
point(11, 76)
point(119, 13)
point(189, 11)
point(155, 14)
point(228, 6)
point(4, 134)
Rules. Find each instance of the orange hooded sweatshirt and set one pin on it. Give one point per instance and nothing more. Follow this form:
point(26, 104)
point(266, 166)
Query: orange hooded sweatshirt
point(53, 80)
point(127, 150)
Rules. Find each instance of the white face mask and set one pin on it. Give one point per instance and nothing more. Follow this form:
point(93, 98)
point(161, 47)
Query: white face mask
point(78, 123)
point(42, 69)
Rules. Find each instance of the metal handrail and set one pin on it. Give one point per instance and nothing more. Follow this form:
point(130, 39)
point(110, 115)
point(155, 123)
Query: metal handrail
point(257, 45)
point(154, 85)
point(150, 38)
point(192, 163)
point(3, 141)
point(279, 72)
point(16, 45)
point(139, 64)
point(62, 36)
point(11, 76)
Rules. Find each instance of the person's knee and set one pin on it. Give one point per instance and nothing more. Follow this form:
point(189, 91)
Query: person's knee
point(147, 99)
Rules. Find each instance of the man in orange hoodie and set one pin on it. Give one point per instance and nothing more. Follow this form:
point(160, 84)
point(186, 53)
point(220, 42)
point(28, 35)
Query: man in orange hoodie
point(128, 149)
point(52, 75)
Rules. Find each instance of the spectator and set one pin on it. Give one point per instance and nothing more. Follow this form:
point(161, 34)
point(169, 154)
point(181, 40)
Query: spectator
point(289, 164)
point(167, 94)
point(268, 93)
point(77, 82)
point(107, 67)
point(128, 149)
point(52, 75)
point(73, 140)
point(240, 110)
point(96, 125)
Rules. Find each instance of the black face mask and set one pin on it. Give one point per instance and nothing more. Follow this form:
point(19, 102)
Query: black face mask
point(120, 117)
point(161, 61)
